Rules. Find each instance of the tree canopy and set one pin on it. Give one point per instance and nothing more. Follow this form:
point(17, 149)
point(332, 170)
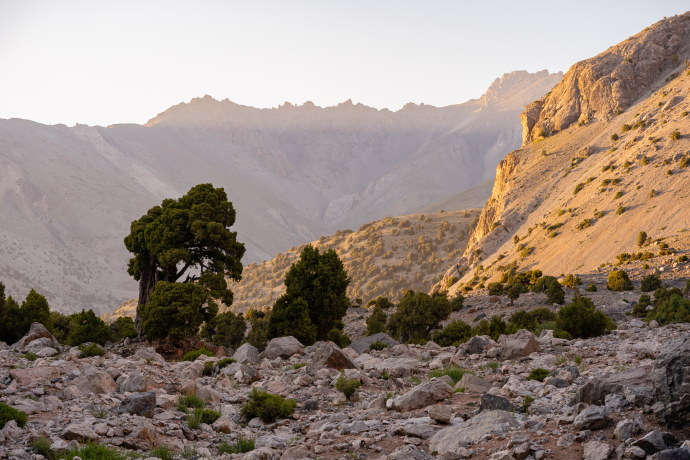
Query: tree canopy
point(417, 315)
point(188, 237)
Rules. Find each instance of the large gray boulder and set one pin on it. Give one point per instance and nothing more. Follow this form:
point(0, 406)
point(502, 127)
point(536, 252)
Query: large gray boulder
point(477, 344)
point(362, 345)
point(595, 390)
point(421, 396)
point(139, 404)
point(37, 331)
point(592, 418)
point(457, 437)
point(247, 354)
point(328, 354)
point(394, 367)
point(473, 384)
point(149, 354)
point(135, 383)
point(95, 381)
point(282, 347)
point(670, 382)
point(522, 343)
point(79, 432)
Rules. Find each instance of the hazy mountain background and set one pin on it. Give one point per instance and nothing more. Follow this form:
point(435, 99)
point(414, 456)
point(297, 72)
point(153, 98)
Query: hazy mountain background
point(294, 173)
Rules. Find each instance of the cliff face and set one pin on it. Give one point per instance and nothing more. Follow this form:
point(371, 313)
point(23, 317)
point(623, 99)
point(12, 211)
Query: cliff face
point(600, 87)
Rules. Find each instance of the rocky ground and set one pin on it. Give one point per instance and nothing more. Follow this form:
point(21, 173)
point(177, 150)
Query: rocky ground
point(616, 396)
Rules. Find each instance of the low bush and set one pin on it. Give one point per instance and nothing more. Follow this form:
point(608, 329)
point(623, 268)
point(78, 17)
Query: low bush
point(641, 238)
point(586, 223)
point(456, 303)
point(455, 333)
point(495, 288)
point(454, 372)
point(41, 446)
point(619, 281)
point(225, 362)
point(193, 355)
point(266, 406)
point(591, 287)
point(538, 374)
point(8, 413)
point(91, 350)
point(650, 283)
point(376, 322)
point(571, 281)
point(527, 403)
point(347, 386)
point(193, 401)
point(240, 446)
point(91, 451)
point(582, 320)
point(555, 292)
point(162, 452)
point(123, 328)
point(378, 345)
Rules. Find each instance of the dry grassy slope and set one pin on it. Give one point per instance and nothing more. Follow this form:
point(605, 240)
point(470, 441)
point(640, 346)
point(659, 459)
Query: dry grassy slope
point(383, 258)
point(532, 188)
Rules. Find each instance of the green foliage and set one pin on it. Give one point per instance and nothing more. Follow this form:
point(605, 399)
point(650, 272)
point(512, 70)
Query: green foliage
point(123, 328)
point(591, 287)
point(538, 374)
point(522, 319)
point(31, 356)
point(187, 401)
point(318, 284)
point(240, 446)
point(91, 451)
point(226, 329)
point(650, 283)
point(554, 291)
point(675, 135)
point(582, 320)
point(62, 324)
point(191, 232)
point(495, 289)
point(641, 238)
point(87, 327)
point(258, 336)
point(225, 362)
point(513, 292)
point(455, 333)
point(376, 322)
point(91, 350)
point(15, 321)
point(640, 308)
point(494, 328)
point(619, 281)
point(162, 452)
point(578, 187)
point(337, 336)
point(193, 355)
point(176, 310)
point(675, 309)
point(266, 406)
point(8, 413)
point(527, 403)
point(378, 345)
point(453, 372)
point(417, 315)
point(614, 137)
point(381, 302)
point(207, 416)
point(456, 303)
point(620, 209)
point(41, 446)
point(347, 386)
point(572, 280)
point(586, 223)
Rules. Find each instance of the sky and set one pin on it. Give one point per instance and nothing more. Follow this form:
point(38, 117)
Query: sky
point(107, 62)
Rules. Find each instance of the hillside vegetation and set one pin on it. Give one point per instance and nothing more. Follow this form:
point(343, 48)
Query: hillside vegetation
point(383, 258)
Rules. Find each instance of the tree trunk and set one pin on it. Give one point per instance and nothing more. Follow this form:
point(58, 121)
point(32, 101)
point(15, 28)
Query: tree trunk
point(147, 284)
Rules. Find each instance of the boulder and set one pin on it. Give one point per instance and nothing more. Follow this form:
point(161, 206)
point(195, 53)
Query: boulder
point(95, 381)
point(189, 387)
point(592, 418)
point(328, 354)
point(247, 375)
point(149, 354)
point(225, 424)
point(282, 347)
point(143, 437)
point(595, 450)
point(135, 383)
point(394, 367)
point(626, 429)
point(208, 394)
point(46, 352)
point(362, 345)
point(79, 432)
point(193, 370)
point(32, 375)
point(478, 343)
point(654, 441)
point(491, 402)
point(595, 391)
point(457, 437)
point(522, 343)
point(139, 404)
point(473, 384)
point(39, 344)
point(295, 453)
point(247, 353)
point(37, 331)
point(441, 413)
point(669, 383)
point(270, 440)
point(422, 395)
point(262, 453)
point(414, 430)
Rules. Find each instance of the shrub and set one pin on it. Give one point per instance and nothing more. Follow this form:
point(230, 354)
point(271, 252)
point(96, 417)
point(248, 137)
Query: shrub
point(675, 309)
point(591, 287)
point(617, 195)
point(291, 317)
point(347, 386)
point(338, 337)
point(555, 292)
point(578, 187)
point(619, 281)
point(42, 447)
point(225, 362)
point(454, 372)
point(584, 224)
point(226, 329)
point(614, 137)
point(193, 355)
point(620, 209)
point(266, 406)
point(240, 446)
point(91, 350)
point(581, 319)
point(675, 135)
point(376, 322)
point(522, 319)
point(176, 310)
point(162, 452)
point(571, 281)
point(641, 238)
point(207, 416)
point(650, 283)
point(193, 401)
point(258, 337)
point(683, 258)
point(87, 327)
point(538, 374)
point(417, 315)
point(513, 292)
point(455, 333)
point(625, 128)
point(495, 289)
point(378, 345)
point(91, 451)
point(15, 321)
point(123, 328)
point(527, 403)
point(456, 302)
point(8, 413)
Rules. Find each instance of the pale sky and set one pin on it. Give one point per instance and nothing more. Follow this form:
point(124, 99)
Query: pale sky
point(100, 62)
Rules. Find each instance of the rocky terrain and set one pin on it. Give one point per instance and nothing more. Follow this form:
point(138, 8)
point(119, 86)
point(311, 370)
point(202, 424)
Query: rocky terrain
point(605, 156)
point(612, 397)
point(293, 173)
